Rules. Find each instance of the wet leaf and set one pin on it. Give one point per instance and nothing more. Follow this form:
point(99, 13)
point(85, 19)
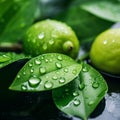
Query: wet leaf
point(46, 72)
point(10, 57)
point(81, 96)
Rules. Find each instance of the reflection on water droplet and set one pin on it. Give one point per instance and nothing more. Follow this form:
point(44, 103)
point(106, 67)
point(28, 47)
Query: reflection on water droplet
point(30, 65)
point(18, 76)
point(54, 77)
point(85, 69)
point(66, 70)
point(32, 70)
point(58, 65)
point(46, 60)
point(59, 58)
point(62, 80)
point(48, 85)
point(90, 102)
point(82, 86)
point(51, 42)
point(44, 46)
point(34, 82)
point(76, 102)
point(95, 85)
point(24, 87)
point(4, 58)
point(75, 93)
point(50, 60)
point(24, 73)
point(74, 72)
point(41, 35)
point(37, 61)
point(42, 70)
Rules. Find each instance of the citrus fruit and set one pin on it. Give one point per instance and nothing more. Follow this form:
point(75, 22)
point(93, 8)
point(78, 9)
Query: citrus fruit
point(105, 51)
point(51, 36)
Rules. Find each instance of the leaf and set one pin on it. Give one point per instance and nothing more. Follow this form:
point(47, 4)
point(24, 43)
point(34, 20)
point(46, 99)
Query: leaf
point(15, 17)
point(10, 57)
point(81, 96)
point(108, 10)
point(46, 72)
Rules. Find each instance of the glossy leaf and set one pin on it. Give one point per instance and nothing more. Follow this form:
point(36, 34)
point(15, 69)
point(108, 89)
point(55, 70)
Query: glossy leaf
point(81, 96)
point(10, 57)
point(15, 17)
point(46, 72)
point(106, 9)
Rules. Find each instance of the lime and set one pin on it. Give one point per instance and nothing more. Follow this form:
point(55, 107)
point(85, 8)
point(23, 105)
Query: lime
point(51, 36)
point(105, 51)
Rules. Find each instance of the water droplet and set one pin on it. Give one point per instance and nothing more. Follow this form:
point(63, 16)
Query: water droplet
point(59, 58)
point(37, 61)
point(90, 102)
point(18, 76)
point(48, 85)
point(58, 65)
point(44, 46)
point(41, 35)
point(75, 93)
point(76, 102)
point(54, 77)
point(66, 70)
point(24, 87)
point(50, 60)
point(42, 70)
point(74, 72)
point(42, 57)
point(4, 58)
point(34, 82)
point(82, 86)
point(62, 80)
point(51, 42)
point(30, 65)
point(24, 73)
point(46, 60)
point(95, 84)
point(32, 70)
point(85, 69)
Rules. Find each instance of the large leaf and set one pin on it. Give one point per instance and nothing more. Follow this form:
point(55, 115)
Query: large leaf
point(15, 17)
point(10, 57)
point(106, 9)
point(81, 96)
point(46, 72)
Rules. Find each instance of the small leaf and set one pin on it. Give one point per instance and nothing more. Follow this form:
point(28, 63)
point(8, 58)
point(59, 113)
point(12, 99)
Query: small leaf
point(46, 72)
point(10, 57)
point(81, 96)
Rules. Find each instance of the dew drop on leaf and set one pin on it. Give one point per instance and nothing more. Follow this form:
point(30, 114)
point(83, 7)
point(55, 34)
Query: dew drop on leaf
point(82, 86)
point(74, 72)
point(48, 85)
point(59, 58)
point(30, 65)
point(85, 69)
point(54, 77)
point(75, 93)
point(24, 87)
point(42, 70)
point(95, 85)
point(76, 102)
point(44, 46)
point(51, 42)
point(46, 60)
point(41, 35)
point(62, 80)
point(4, 58)
point(18, 76)
point(34, 82)
point(66, 70)
point(37, 62)
point(90, 103)
point(58, 65)
point(31, 70)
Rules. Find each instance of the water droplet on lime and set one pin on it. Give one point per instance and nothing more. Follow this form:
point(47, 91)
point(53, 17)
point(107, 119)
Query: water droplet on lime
point(41, 35)
point(58, 65)
point(34, 82)
point(42, 70)
point(48, 85)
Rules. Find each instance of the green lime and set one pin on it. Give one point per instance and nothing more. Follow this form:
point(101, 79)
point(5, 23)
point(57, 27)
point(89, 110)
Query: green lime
point(51, 36)
point(105, 51)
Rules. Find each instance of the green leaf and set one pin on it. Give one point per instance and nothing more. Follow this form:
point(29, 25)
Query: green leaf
point(46, 72)
point(10, 57)
point(106, 9)
point(15, 17)
point(81, 96)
